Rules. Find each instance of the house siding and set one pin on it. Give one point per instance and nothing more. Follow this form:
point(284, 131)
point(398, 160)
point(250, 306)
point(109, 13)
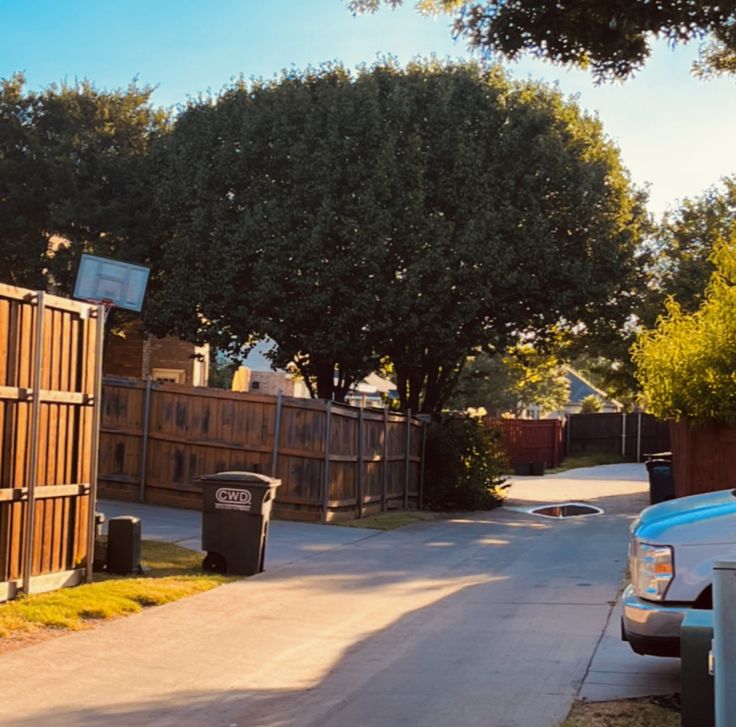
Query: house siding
point(136, 355)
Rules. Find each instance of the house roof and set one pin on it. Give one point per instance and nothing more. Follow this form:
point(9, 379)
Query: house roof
point(373, 383)
point(580, 387)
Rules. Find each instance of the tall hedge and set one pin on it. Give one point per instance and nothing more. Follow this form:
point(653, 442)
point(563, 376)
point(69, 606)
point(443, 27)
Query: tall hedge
point(465, 464)
point(687, 363)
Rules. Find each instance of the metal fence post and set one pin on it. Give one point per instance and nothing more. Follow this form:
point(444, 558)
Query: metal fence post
point(361, 464)
point(638, 438)
point(144, 441)
point(724, 641)
point(30, 519)
point(384, 503)
point(408, 453)
point(623, 434)
point(277, 433)
point(326, 468)
point(95, 444)
point(421, 466)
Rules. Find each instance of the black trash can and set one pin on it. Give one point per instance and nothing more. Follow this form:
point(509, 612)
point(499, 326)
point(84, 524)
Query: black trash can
point(536, 469)
point(236, 508)
point(661, 481)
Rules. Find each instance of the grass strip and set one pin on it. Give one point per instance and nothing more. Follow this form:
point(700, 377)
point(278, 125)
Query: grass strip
point(592, 459)
point(645, 712)
point(171, 573)
point(390, 520)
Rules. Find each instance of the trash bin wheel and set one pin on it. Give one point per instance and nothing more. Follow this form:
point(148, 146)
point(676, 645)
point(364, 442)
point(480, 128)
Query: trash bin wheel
point(214, 563)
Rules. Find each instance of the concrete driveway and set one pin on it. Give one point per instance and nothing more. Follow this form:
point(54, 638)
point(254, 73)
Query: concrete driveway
point(287, 541)
point(490, 619)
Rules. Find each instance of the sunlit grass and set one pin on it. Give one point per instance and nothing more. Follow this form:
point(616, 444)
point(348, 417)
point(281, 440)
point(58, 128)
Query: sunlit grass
point(590, 459)
point(171, 573)
point(624, 713)
point(390, 520)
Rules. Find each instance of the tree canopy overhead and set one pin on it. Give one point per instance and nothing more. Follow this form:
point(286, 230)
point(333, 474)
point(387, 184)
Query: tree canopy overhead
point(72, 165)
point(610, 37)
point(411, 214)
point(685, 242)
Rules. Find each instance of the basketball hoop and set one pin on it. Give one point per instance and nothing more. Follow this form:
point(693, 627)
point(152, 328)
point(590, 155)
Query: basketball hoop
point(111, 283)
point(107, 305)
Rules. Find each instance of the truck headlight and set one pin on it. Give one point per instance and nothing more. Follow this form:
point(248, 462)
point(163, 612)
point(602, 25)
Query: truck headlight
point(652, 569)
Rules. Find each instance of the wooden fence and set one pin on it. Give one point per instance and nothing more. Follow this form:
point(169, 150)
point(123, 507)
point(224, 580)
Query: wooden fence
point(703, 457)
point(532, 440)
point(334, 461)
point(49, 350)
point(630, 435)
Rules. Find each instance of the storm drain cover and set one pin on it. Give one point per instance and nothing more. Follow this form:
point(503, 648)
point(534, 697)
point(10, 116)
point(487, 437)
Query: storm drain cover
point(566, 509)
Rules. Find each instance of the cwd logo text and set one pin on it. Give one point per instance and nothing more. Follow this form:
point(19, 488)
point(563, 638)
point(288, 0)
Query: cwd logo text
point(230, 498)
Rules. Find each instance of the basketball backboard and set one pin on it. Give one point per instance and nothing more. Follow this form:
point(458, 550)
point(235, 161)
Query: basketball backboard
point(113, 281)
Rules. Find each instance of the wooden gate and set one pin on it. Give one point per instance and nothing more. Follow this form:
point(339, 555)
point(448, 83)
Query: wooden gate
point(49, 394)
point(531, 440)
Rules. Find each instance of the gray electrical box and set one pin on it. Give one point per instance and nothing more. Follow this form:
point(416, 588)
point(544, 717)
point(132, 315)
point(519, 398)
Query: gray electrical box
point(696, 681)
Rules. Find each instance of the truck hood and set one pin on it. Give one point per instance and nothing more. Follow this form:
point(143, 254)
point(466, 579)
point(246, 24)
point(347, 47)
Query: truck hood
point(694, 520)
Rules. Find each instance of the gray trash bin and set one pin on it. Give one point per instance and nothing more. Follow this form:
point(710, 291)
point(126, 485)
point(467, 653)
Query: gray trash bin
point(236, 508)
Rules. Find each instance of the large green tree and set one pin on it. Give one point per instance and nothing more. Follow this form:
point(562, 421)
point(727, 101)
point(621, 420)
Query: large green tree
point(675, 263)
point(73, 166)
point(612, 38)
point(685, 240)
point(413, 214)
point(521, 378)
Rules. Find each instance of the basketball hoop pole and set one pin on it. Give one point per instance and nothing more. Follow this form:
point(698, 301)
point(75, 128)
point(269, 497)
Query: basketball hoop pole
point(103, 308)
point(104, 282)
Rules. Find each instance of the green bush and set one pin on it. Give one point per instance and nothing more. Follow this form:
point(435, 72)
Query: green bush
point(687, 364)
point(591, 404)
point(465, 462)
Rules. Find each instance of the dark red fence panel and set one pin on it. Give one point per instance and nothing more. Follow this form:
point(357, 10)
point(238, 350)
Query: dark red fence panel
point(532, 440)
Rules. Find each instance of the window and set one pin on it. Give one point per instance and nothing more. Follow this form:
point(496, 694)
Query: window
point(169, 376)
point(255, 385)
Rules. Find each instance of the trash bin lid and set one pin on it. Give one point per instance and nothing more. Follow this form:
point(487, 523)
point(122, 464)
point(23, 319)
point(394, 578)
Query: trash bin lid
point(243, 477)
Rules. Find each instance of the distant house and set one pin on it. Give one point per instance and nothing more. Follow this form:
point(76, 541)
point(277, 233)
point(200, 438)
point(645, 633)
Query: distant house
point(133, 353)
point(257, 376)
point(580, 388)
point(373, 390)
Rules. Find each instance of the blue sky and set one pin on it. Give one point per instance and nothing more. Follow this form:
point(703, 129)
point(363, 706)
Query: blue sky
point(675, 133)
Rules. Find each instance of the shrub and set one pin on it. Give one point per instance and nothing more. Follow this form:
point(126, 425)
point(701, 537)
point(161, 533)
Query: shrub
point(591, 404)
point(687, 364)
point(465, 462)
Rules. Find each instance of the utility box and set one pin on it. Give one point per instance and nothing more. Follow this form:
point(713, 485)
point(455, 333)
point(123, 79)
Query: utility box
point(236, 509)
point(124, 545)
point(696, 682)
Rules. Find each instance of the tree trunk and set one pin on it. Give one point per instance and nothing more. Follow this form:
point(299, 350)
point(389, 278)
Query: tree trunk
point(325, 374)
